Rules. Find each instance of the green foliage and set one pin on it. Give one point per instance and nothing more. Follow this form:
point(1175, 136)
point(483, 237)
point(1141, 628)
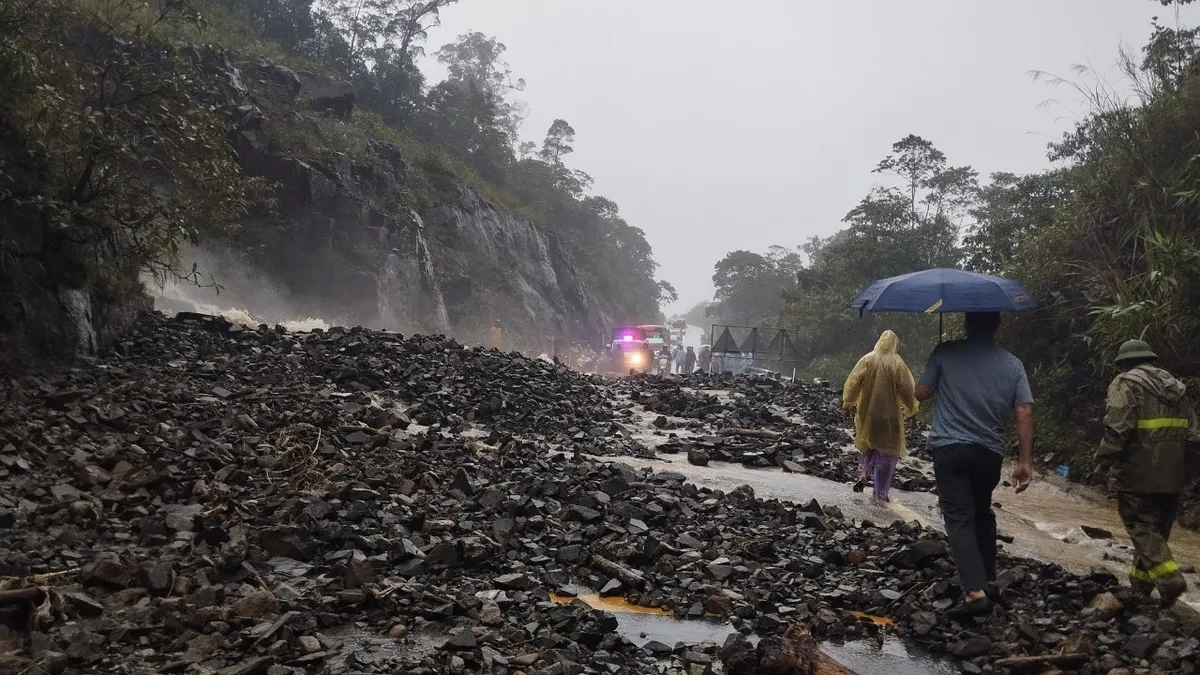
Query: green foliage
point(1008, 211)
point(750, 287)
point(700, 314)
point(1108, 243)
point(128, 137)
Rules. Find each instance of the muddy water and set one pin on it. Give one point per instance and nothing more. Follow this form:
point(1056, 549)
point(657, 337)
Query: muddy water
point(886, 656)
point(775, 484)
point(641, 625)
point(1044, 521)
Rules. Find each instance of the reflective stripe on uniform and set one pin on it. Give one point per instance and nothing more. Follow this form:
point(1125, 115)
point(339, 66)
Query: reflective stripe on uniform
point(1164, 423)
point(1164, 570)
point(1135, 573)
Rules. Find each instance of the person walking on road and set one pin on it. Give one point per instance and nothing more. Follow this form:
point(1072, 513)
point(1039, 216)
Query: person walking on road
point(881, 394)
point(979, 386)
point(689, 361)
point(1146, 431)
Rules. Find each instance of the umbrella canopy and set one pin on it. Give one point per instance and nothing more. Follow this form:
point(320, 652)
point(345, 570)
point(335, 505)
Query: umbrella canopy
point(944, 290)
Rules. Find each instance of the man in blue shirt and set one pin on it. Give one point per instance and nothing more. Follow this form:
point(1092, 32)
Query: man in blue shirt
point(979, 386)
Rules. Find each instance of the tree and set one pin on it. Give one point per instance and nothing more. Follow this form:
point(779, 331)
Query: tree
point(750, 286)
point(928, 181)
point(1010, 209)
point(372, 26)
point(915, 161)
point(666, 294)
point(558, 142)
point(463, 120)
point(699, 314)
point(476, 62)
point(129, 137)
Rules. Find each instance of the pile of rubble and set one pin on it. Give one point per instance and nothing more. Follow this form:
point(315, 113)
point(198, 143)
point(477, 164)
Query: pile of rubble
point(211, 499)
point(762, 422)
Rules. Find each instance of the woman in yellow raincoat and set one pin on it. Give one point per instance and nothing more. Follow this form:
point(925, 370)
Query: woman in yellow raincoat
point(882, 393)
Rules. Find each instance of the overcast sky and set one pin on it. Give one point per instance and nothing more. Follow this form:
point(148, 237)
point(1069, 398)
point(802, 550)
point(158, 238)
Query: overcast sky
point(737, 124)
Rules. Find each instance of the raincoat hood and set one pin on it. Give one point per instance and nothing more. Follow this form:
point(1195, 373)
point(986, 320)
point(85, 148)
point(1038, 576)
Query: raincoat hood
point(889, 343)
point(882, 390)
point(1158, 382)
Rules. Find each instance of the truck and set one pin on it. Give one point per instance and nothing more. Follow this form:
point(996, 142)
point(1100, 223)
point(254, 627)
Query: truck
point(678, 331)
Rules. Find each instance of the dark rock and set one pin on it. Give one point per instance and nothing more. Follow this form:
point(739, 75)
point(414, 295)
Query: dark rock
point(514, 582)
point(657, 648)
point(1139, 646)
point(159, 579)
point(584, 514)
point(107, 569)
point(326, 94)
point(462, 640)
point(463, 482)
point(918, 554)
point(924, 622)
point(971, 647)
point(1096, 532)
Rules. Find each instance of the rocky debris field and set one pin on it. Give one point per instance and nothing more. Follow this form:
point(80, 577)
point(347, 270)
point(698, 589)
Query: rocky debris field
point(762, 422)
point(216, 500)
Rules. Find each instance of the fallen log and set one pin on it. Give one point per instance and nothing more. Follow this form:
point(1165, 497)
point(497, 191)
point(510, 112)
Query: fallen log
point(45, 579)
point(631, 578)
point(1031, 662)
point(34, 594)
point(763, 434)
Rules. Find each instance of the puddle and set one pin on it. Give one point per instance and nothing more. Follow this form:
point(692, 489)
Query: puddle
point(889, 656)
point(615, 605)
point(640, 624)
point(645, 624)
point(881, 621)
point(360, 647)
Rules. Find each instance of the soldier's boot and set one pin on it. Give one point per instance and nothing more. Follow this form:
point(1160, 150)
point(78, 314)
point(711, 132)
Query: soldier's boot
point(1170, 588)
point(1141, 588)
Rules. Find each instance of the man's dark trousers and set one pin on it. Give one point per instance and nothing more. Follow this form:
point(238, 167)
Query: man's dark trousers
point(966, 476)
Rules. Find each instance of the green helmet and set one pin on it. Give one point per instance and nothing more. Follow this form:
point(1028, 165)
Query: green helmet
point(1135, 349)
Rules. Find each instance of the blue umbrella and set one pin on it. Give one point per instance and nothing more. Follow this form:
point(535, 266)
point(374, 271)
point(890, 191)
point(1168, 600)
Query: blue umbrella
point(944, 290)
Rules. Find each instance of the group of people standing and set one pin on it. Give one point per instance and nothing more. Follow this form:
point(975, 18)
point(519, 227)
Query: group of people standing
point(979, 387)
point(683, 360)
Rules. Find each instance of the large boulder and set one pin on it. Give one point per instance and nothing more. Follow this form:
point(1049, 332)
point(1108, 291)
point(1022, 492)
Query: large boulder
point(326, 94)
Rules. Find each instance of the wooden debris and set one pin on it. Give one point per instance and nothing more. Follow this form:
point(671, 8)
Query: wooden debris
point(795, 653)
point(631, 578)
point(34, 594)
point(764, 434)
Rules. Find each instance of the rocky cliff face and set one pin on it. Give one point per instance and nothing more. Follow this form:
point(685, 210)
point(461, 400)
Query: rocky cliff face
point(345, 243)
point(492, 264)
point(353, 240)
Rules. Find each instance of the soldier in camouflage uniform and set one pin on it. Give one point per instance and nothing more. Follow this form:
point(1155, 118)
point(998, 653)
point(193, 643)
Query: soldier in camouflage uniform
point(1146, 431)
